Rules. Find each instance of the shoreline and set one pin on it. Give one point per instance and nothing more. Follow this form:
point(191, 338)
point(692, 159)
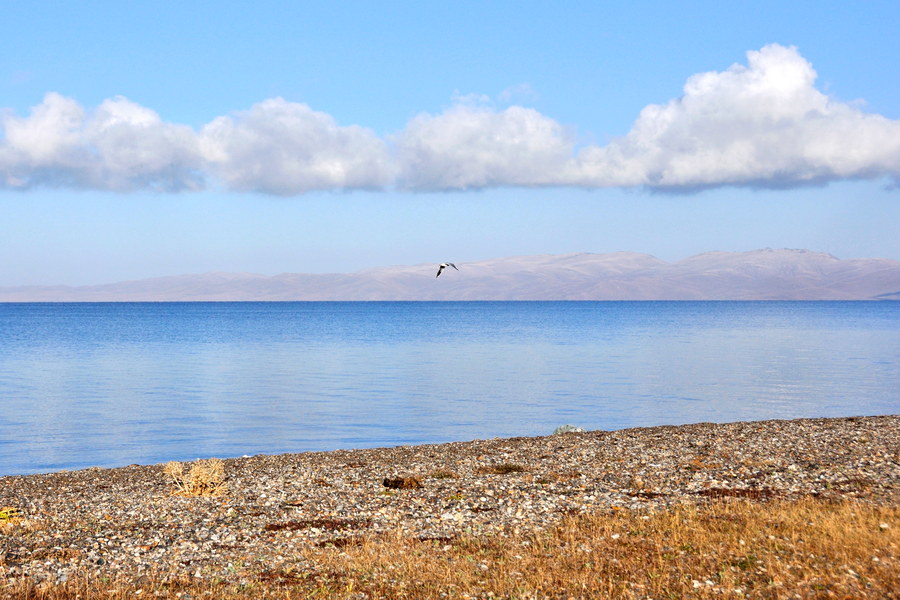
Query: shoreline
point(148, 465)
point(126, 521)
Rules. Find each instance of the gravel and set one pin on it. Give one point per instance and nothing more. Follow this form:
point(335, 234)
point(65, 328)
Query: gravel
point(126, 522)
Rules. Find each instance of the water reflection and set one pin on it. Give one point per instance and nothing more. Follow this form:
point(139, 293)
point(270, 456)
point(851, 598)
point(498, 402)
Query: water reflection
point(100, 384)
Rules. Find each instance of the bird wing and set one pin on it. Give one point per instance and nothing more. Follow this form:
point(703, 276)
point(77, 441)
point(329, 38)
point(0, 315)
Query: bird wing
point(452, 265)
point(440, 268)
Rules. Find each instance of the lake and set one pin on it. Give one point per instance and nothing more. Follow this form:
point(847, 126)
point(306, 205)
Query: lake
point(100, 384)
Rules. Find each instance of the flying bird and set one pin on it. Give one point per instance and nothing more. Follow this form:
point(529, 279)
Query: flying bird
point(443, 266)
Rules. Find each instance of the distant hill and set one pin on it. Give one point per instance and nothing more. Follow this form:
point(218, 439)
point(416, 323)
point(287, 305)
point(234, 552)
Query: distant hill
point(756, 275)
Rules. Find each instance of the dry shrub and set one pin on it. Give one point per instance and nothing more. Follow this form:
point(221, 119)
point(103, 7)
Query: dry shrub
point(402, 483)
point(501, 469)
point(443, 474)
point(205, 478)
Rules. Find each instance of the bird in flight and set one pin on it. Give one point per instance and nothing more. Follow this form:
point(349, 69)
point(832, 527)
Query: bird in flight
point(443, 266)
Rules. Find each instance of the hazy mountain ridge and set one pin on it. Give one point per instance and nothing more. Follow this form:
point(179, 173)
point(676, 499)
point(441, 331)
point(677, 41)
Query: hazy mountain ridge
point(755, 275)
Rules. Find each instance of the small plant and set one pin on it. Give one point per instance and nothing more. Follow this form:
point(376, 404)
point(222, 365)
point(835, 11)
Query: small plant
point(443, 474)
point(402, 483)
point(699, 463)
point(503, 469)
point(204, 478)
point(10, 515)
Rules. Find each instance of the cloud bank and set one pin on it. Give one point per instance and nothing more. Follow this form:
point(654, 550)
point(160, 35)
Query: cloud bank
point(763, 124)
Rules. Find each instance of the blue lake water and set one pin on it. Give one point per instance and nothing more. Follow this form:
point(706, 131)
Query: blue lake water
point(113, 384)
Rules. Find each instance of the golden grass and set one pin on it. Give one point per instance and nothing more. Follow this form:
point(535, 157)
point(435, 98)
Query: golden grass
point(204, 478)
point(443, 474)
point(732, 548)
point(10, 515)
point(501, 469)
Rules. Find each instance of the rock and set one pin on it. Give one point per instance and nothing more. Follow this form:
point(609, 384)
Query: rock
point(567, 429)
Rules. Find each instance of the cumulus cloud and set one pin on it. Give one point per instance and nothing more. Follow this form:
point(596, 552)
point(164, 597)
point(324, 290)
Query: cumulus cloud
point(276, 147)
point(120, 146)
point(474, 147)
point(763, 123)
point(285, 148)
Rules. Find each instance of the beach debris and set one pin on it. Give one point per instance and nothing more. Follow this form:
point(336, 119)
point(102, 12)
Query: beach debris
point(567, 429)
point(764, 493)
point(402, 483)
point(326, 524)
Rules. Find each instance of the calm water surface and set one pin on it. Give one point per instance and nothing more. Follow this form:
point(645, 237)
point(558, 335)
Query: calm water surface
point(113, 384)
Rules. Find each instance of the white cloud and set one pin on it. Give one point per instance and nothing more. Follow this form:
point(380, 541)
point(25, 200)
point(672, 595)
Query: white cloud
point(137, 149)
point(120, 146)
point(45, 145)
point(760, 124)
point(285, 148)
point(764, 124)
point(473, 147)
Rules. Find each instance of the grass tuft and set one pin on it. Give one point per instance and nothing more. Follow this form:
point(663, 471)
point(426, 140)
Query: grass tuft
point(501, 469)
point(204, 478)
point(10, 515)
point(443, 474)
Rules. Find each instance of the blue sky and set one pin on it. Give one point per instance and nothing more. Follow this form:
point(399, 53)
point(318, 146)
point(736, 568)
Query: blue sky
point(158, 138)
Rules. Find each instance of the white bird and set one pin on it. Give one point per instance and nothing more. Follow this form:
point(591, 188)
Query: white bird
point(443, 266)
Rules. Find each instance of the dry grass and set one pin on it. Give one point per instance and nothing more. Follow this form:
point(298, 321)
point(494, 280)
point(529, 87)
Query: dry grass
point(443, 474)
point(501, 469)
point(205, 478)
point(402, 483)
point(10, 515)
point(732, 548)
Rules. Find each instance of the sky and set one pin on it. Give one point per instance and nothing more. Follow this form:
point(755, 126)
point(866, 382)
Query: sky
point(144, 139)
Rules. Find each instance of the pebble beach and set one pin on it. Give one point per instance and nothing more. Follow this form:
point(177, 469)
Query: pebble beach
point(132, 521)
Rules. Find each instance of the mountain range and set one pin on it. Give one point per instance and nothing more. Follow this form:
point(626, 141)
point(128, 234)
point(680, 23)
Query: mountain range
point(756, 275)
